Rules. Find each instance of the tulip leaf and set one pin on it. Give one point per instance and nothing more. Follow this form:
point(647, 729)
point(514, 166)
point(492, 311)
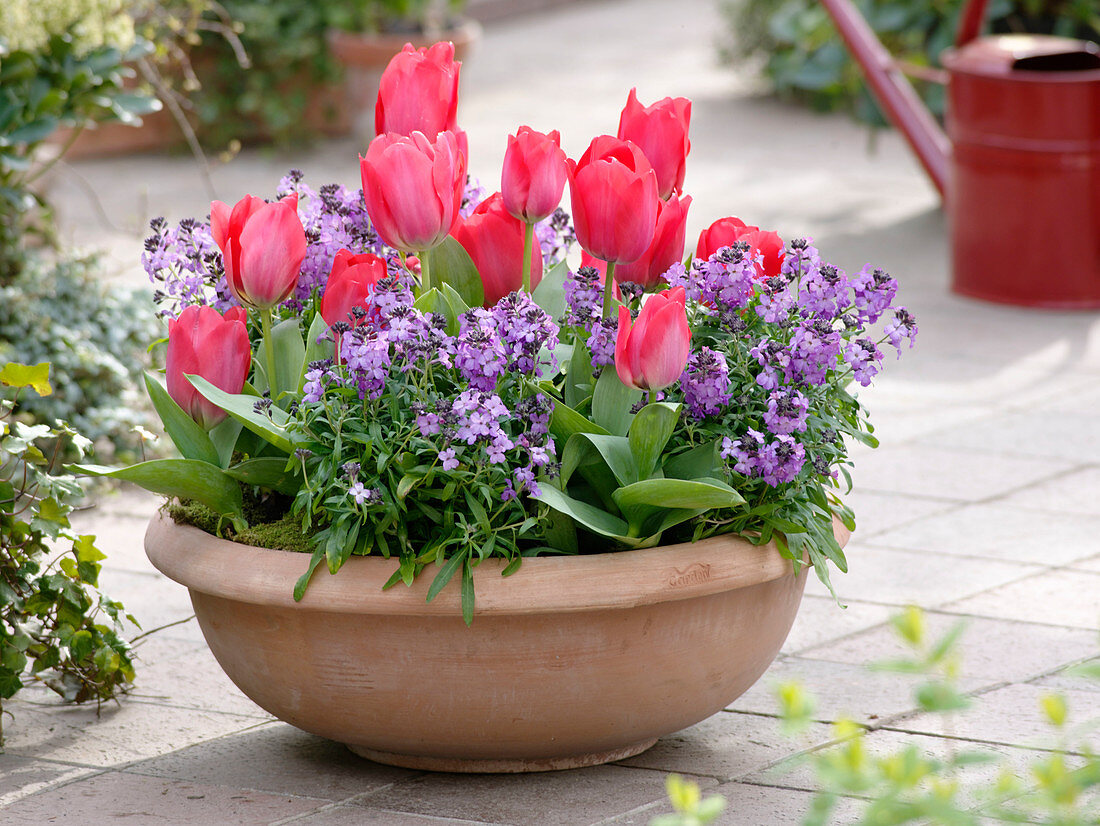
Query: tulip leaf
point(565, 421)
point(578, 375)
point(319, 346)
point(186, 434)
point(457, 302)
point(613, 450)
point(586, 515)
point(267, 472)
point(649, 433)
point(704, 494)
point(269, 425)
point(550, 292)
point(433, 301)
point(224, 437)
point(290, 356)
point(698, 462)
point(35, 376)
point(181, 479)
point(449, 263)
point(611, 402)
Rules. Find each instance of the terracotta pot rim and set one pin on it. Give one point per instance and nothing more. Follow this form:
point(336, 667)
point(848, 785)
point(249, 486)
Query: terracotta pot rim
point(262, 576)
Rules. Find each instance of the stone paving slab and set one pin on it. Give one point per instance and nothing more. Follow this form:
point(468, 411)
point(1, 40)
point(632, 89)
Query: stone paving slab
point(1001, 532)
point(821, 620)
point(989, 649)
point(1075, 492)
point(930, 580)
point(115, 797)
point(1058, 597)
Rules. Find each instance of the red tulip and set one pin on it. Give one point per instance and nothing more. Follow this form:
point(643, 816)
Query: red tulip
point(533, 177)
point(204, 342)
point(765, 247)
point(667, 247)
point(262, 245)
point(494, 240)
point(613, 190)
point(661, 131)
point(651, 353)
point(350, 285)
point(413, 188)
point(418, 92)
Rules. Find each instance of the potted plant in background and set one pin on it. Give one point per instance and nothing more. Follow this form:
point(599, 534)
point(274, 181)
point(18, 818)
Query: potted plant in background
point(543, 487)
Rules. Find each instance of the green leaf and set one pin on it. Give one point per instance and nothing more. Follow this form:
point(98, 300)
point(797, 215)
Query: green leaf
point(446, 571)
point(649, 433)
point(224, 437)
point(303, 580)
point(290, 355)
point(676, 493)
point(81, 645)
point(36, 377)
point(696, 463)
point(186, 434)
point(578, 376)
point(588, 516)
point(458, 304)
point(449, 263)
point(565, 421)
point(319, 346)
point(35, 131)
point(267, 472)
point(613, 450)
point(270, 426)
point(182, 479)
point(434, 301)
point(611, 403)
point(550, 292)
point(940, 697)
point(467, 593)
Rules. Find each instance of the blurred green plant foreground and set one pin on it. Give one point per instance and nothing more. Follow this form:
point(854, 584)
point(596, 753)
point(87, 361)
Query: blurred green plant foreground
point(968, 786)
point(804, 58)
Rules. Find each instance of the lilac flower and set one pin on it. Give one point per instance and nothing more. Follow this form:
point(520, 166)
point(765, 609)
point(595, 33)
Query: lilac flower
point(318, 376)
point(800, 259)
point(583, 297)
point(601, 344)
point(775, 462)
point(725, 281)
point(364, 495)
point(873, 293)
point(813, 351)
point(787, 411)
point(864, 358)
point(825, 292)
point(479, 353)
point(366, 353)
point(447, 457)
point(556, 236)
point(903, 326)
point(185, 266)
point(777, 299)
point(524, 329)
point(706, 383)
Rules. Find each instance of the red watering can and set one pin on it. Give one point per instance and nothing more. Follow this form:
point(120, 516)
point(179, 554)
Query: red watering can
point(1019, 165)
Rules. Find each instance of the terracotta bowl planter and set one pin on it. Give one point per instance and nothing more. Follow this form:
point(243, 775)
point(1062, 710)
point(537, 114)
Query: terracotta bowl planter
point(571, 661)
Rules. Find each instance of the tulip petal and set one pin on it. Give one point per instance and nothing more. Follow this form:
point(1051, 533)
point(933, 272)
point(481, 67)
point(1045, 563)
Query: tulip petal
point(664, 352)
point(273, 246)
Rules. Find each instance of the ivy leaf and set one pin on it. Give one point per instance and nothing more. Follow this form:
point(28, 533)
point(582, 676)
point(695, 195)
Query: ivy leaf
point(36, 377)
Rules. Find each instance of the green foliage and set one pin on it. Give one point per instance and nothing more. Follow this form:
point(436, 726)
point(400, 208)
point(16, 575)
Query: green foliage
point(910, 785)
point(691, 809)
point(62, 82)
point(95, 336)
point(55, 626)
point(805, 58)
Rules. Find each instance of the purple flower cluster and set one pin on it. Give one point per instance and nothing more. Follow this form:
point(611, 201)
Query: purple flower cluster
point(724, 282)
point(556, 236)
point(479, 353)
point(365, 351)
point(776, 461)
point(583, 297)
point(787, 411)
point(706, 383)
point(185, 266)
point(525, 330)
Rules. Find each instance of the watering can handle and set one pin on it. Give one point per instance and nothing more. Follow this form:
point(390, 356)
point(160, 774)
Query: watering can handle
point(970, 22)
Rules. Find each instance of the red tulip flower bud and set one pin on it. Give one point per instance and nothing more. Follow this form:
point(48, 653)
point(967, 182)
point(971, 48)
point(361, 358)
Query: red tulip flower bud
point(667, 247)
point(204, 342)
point(418, 92)
point(413, 188)
point(765, 247)
point(494, 240)
point(263, 246)
point(651, 353)
point(613, 191)
point(661, 131)
point(533, 178)
point(350, 285)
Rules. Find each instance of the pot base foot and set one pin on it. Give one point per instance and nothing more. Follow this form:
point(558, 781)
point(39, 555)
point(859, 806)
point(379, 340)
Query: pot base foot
point(502, 766)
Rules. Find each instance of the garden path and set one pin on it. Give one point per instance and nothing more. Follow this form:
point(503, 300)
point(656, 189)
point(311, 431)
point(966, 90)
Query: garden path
point(983, 504)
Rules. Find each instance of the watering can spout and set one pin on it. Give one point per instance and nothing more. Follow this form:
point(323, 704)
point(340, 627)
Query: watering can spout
point(893, 91)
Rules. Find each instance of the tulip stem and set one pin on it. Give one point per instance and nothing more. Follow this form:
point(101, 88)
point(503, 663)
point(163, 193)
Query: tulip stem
point(652, 395)
point(528, 238)
point(608, 289)
point(425, 273)
point(269, 351)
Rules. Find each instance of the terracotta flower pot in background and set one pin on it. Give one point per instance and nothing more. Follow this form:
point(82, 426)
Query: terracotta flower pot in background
point(365, 55)
point(569, 662)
